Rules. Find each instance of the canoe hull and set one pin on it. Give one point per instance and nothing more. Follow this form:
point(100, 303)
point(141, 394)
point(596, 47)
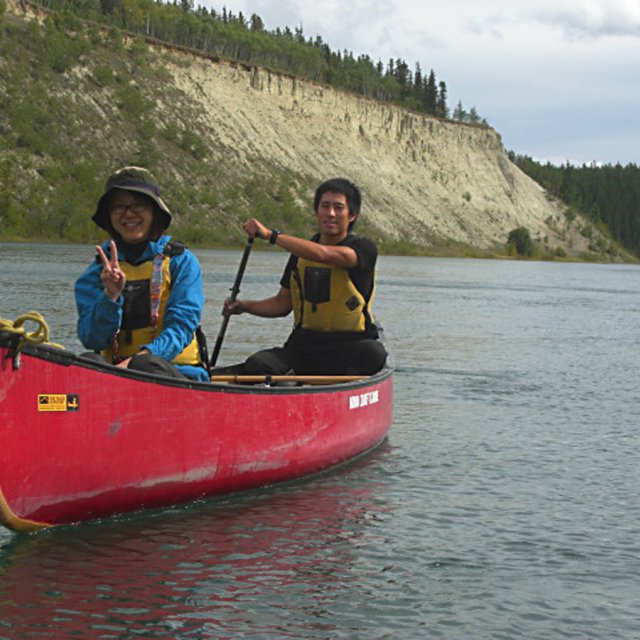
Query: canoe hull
point(80, 441)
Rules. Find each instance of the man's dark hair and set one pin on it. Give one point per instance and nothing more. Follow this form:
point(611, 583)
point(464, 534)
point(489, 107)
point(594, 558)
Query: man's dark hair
point(347, 189)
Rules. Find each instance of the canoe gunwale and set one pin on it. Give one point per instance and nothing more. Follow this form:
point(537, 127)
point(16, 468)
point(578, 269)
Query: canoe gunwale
point(62, 357)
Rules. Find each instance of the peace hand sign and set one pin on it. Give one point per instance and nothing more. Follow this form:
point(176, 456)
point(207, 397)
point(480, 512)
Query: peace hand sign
point(112, 277)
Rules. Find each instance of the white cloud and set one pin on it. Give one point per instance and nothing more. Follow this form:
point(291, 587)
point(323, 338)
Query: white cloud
point(593, 18)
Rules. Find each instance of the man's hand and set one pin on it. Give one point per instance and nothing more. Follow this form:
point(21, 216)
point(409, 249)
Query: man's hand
point(256, 229)
point(232, 308)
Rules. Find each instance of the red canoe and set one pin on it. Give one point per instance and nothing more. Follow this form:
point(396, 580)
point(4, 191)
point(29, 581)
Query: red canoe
point(81, 441)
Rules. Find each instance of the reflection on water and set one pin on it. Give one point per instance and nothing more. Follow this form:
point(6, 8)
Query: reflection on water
point(207, 569)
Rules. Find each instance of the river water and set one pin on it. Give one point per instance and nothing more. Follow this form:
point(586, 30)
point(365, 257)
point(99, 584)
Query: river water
point(503, 505)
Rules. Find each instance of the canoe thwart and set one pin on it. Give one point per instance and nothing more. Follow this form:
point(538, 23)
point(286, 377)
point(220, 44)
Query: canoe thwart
point(269, 379)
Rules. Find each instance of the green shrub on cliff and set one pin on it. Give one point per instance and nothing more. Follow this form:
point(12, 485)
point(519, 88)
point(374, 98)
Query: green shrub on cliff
point(520, 243)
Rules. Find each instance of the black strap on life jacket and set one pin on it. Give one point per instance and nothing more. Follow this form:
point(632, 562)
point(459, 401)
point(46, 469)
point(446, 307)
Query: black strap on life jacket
point(202, 349)
point(174, 248)
point(177, 248)
point(296, 276)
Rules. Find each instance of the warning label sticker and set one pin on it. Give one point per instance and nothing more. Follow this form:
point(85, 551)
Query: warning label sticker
point(58, 402)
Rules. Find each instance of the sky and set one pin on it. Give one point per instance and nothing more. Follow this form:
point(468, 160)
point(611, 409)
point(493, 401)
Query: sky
point(559, 80)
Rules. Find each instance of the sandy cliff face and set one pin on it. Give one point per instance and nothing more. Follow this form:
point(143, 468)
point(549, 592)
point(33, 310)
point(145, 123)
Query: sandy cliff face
point(422, 178)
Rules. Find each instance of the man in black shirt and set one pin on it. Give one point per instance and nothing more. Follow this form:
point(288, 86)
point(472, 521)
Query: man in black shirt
point(329, 284)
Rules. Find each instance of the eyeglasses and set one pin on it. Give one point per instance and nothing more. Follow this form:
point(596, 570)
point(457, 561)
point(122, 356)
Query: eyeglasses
point(137, 207)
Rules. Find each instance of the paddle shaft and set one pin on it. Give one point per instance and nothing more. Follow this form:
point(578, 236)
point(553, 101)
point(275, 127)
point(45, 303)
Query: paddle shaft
point(234, 294)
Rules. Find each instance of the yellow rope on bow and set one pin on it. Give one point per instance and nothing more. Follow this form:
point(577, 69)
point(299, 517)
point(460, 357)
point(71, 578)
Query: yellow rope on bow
point(38, 336)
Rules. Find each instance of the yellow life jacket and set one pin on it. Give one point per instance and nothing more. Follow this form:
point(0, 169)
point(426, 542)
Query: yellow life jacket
point(324, 298)
point(145, 298)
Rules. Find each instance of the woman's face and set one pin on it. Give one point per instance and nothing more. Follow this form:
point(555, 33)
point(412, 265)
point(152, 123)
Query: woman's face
point(131, 215)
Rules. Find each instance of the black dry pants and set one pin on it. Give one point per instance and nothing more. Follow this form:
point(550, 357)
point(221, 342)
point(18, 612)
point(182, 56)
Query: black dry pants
point(146, 362)
point(360, 357)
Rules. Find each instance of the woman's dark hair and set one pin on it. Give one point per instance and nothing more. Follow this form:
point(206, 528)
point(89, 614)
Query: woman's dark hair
point(347, 189)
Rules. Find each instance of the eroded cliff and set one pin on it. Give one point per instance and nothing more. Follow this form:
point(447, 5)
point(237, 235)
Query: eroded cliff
point(423, 179)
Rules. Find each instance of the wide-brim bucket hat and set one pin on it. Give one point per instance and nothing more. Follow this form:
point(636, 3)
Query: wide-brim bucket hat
point(131, 179)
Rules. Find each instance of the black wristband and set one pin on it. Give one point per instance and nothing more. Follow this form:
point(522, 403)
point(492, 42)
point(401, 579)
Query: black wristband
point(274, 235)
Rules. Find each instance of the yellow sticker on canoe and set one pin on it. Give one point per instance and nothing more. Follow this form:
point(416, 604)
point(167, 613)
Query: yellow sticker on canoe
point(58, 402)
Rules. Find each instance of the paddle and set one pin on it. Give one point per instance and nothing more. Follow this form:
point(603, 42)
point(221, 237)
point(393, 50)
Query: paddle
point(234, 293)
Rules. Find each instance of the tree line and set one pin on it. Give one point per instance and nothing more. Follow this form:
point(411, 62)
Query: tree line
point(608, 195)
point(233, 36)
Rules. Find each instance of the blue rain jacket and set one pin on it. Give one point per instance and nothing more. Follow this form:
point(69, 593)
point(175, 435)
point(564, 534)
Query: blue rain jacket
point(99, 318)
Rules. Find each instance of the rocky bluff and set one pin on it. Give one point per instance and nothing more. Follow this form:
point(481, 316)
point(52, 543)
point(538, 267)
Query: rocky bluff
point(424, 180)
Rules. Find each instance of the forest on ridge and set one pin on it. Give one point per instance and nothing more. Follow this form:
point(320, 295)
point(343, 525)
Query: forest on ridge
point(237, 37)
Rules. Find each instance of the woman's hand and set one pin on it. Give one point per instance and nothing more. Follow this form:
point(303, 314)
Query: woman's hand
point(124, 364)
point(112, 277)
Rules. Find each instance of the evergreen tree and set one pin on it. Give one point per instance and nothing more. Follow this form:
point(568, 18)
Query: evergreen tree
point(474, 118)
point(431, 94)
point(418, 85)
point(459, 114)
point(442, 111)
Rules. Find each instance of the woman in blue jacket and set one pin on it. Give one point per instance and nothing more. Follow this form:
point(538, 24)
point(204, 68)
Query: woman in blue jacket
point(140, 302)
